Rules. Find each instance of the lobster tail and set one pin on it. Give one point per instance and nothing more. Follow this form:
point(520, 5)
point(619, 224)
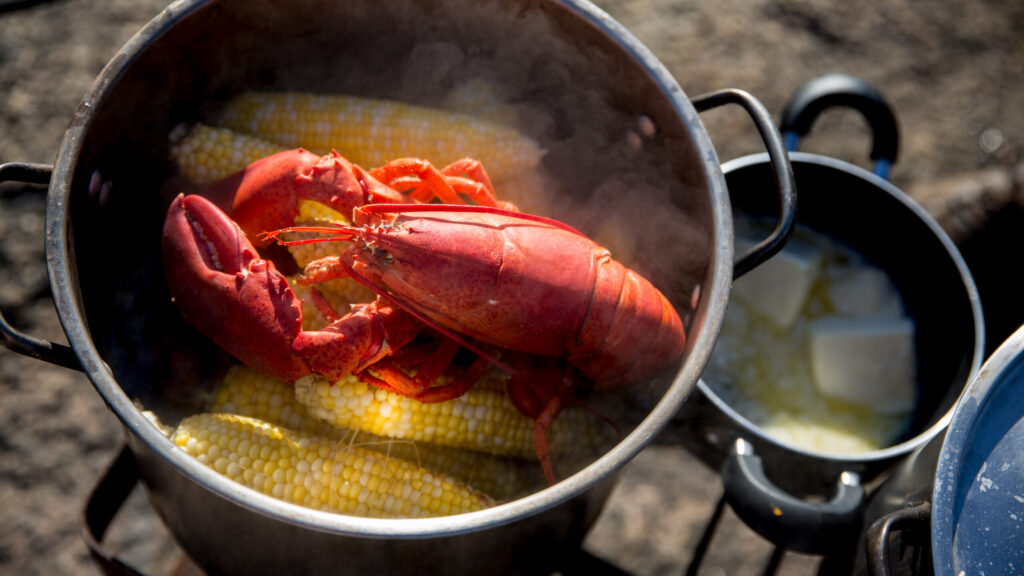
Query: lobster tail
point(631, 332)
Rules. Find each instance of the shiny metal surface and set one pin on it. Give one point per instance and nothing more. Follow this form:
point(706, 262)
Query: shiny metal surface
point(195, 49)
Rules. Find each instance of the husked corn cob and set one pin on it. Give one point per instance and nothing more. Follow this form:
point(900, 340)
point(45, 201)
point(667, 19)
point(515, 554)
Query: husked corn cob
point(205, 154)
point(501, 478)
point(371, 132)
point(482, 419)
point(319, 473)
point(246, 392)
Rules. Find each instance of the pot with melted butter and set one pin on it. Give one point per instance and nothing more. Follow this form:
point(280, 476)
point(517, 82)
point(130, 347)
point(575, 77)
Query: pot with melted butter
point(817, 350)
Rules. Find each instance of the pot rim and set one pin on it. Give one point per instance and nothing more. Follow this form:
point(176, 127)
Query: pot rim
point(969, 413)
point(64, 284)
point(978, 357)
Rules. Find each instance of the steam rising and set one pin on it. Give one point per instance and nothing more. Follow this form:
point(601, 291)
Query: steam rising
point(618, 165)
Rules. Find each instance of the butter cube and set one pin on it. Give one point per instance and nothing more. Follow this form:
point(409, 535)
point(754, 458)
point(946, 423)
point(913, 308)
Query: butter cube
point(779, 287)
point(866, 360)
point(864, 290)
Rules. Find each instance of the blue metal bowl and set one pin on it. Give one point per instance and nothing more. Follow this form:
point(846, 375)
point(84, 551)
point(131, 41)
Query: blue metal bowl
point(978, 496)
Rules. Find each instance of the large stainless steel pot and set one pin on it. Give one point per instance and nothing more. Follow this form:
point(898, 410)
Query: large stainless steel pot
point(813, 500)
point(606, 100)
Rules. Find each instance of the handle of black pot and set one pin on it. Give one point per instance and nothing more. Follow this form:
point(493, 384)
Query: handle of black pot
point(11, 338)
point(814, 528)
point(876, 542)
point(106, 498)
point(843, 90)
point(779, 160)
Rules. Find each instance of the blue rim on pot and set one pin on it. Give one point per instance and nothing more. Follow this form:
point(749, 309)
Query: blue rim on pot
point(961, 504)
point(978, 498)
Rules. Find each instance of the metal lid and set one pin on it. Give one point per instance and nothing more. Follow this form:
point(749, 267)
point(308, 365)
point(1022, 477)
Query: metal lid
point(978, 498)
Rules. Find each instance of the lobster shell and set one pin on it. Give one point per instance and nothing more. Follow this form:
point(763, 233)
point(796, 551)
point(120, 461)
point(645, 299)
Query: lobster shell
point(523, 283)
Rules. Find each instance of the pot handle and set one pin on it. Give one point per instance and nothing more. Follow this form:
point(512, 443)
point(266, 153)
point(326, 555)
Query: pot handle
point(11, 338)
point(779, 160)
point(106, 498)
point(813, 528)
point(833, 90)
point(876, 543)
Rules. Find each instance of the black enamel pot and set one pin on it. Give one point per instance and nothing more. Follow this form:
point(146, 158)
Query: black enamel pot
point(813, 500)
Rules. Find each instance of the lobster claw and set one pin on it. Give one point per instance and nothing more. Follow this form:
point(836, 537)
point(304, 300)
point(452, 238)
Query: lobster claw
point(265, 195)
point(244, 304)
point(223, 287)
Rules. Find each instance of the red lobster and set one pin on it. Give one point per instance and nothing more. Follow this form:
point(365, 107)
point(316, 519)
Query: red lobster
point(524, 292)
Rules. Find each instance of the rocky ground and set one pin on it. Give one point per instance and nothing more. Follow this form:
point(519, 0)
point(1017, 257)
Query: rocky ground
point(953, 71)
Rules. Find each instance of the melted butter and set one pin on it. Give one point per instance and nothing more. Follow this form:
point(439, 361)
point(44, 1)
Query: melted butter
point(764, 372)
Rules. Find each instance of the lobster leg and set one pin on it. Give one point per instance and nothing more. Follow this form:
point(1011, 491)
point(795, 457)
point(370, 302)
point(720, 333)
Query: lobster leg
point(463, 381)
point(539, 392)
point(389, 376)
point(468, 177)
point(473, 169)
point(361, 338)
point(442, 356)
point(540, 436)
point(446, 184)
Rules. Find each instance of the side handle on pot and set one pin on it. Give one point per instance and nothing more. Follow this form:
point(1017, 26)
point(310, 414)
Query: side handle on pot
point(834, 90)
point(10, 337)
point(813, 528)
point(781, 167)
point(876, 544)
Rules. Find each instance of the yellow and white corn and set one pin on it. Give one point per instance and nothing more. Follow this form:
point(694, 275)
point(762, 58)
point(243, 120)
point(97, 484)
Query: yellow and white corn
point(371, 132)
point(205, 154)
point(246, 392)
point(320, 473)
point(482, 419)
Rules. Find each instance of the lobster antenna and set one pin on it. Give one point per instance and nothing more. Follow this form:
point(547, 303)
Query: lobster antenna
point(468, 208)
point(340, 233)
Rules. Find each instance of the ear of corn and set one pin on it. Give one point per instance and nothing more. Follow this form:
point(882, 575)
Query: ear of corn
point(371, 132)
point(483, 419)
point(205, 154)
point(319, 473)
point(246, 392)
